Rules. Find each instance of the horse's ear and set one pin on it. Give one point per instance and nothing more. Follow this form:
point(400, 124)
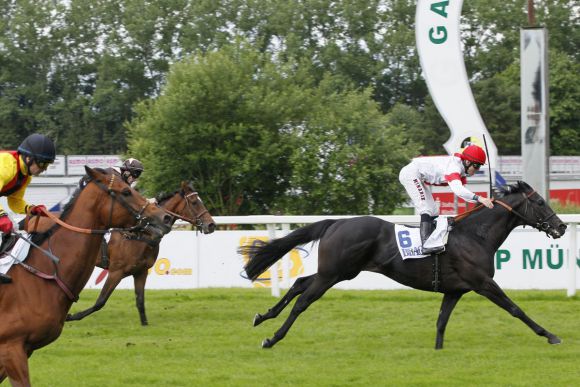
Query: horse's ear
point(90, 172)
point(184, 185)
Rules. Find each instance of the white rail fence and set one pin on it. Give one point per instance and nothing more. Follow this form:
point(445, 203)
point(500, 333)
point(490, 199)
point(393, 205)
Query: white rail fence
point(279, 226)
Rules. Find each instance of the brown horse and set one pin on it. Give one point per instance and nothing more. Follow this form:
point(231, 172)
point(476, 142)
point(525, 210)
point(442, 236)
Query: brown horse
point(135, 255)
point(35, 305)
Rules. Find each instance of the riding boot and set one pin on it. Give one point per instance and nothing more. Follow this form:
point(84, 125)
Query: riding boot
point(425, 229)
point(5, 279)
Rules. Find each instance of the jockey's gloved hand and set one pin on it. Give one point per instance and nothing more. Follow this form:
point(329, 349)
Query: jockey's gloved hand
point(38, 210)
point(6, 225)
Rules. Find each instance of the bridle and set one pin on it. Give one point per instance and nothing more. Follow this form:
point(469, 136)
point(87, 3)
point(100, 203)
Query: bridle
point(142, 223)
point(197, 217)
point(540, 224)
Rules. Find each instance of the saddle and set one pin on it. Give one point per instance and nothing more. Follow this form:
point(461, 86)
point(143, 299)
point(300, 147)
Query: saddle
point(8, 242)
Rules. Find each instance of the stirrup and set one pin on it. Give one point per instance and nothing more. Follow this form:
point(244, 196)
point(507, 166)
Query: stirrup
point(433, 250)
point(5, 279)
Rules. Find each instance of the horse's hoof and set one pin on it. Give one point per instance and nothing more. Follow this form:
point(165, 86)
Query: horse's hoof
point(554, 340)
point(257, 319)
point(267, 343)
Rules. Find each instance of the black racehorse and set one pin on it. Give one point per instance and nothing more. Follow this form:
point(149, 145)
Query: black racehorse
point(349, 246)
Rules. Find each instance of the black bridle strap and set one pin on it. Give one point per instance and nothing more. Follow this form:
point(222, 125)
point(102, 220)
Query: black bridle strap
point(542, 224)
point(187, 204)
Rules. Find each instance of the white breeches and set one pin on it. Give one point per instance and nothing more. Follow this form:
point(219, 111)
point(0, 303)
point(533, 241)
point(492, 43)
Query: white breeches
point(419, 192)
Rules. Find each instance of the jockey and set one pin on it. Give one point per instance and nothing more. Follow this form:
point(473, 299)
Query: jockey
point(33, 157)
point(130, 171)
point(445, 170)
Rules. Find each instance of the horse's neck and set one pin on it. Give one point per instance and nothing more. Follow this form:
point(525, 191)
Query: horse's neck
point(77, 251)
point(492, 226)
point(172, 203)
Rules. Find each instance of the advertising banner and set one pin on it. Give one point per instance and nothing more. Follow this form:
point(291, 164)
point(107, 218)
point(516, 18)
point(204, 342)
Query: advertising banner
point(188, 260)
point(534, 108)
point(438, 41)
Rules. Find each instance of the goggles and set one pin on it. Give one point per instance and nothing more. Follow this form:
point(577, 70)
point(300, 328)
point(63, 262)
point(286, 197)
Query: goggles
point(135, 173)
point(476, 165)
point(42, 164)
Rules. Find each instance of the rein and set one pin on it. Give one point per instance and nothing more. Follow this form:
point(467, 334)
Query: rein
point(138, 215)
point(542, 224)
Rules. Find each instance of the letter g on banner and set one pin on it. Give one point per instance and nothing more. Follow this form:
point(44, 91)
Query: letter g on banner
point(439, 46)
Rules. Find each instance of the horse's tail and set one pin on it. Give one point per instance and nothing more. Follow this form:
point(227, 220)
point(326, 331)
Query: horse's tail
point(263, 255)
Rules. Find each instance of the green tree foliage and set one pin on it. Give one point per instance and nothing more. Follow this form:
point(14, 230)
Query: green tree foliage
point(253, 134)
point(74, 69)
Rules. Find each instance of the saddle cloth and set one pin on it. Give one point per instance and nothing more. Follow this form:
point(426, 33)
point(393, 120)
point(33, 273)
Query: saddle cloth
point(18, 254)
point(409, 238)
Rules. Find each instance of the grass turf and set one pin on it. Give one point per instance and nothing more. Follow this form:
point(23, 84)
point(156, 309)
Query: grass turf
point(348, 338)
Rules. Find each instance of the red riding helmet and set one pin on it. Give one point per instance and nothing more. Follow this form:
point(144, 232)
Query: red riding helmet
point(473, 153)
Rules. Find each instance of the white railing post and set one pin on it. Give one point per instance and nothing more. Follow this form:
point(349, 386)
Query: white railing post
point(286, 260)
point(274, 268)
point(572, 257)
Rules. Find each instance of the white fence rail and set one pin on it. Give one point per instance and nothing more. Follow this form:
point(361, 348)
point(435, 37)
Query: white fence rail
point(528, 259)
point(272, 222)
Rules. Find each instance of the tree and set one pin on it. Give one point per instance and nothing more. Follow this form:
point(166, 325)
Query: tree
point(249, 132)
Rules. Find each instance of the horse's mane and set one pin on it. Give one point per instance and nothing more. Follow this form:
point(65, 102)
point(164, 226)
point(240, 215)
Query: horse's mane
point(505, 190)
point(163, 196)
point(498, 193)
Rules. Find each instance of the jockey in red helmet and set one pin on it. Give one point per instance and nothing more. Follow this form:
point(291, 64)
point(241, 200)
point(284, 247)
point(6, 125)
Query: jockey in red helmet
point(422, 172)
point(33, 157)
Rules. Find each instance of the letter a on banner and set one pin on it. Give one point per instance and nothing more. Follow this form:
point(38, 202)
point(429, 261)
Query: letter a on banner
point(439, 47)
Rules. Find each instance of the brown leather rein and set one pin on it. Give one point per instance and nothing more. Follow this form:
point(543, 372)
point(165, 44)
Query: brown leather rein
point(137, 214)
point(540, 225)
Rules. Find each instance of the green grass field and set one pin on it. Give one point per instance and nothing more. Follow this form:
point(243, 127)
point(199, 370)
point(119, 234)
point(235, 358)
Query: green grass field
point(348, 338)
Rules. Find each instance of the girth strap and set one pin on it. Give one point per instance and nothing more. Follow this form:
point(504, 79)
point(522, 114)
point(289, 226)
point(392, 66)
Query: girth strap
point(54, 277)
point(436, 273)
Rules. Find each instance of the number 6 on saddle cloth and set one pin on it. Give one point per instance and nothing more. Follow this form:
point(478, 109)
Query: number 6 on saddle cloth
point(409, 239)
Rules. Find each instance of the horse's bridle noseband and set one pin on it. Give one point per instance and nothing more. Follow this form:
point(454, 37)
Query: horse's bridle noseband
point(197, 220)
point(540, 224)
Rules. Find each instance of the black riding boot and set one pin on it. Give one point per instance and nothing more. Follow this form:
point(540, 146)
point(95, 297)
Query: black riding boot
point(426, 228)
point(5, 279)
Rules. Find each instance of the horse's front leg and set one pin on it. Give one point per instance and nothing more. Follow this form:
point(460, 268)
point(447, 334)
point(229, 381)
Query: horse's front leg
point(447, 306)
point(111, 283)
point(15, 363)
point(493, 292)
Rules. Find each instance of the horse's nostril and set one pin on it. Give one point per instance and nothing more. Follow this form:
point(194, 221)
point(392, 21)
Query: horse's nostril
point(211, 227)
point(167, 219)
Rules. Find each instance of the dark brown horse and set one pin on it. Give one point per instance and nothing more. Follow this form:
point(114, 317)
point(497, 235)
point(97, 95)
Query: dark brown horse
point(135, 255)
point(349, 246)
point(35, 305)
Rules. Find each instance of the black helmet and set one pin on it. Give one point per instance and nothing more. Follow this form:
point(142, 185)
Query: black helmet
point(39, 147)
point(134, 166)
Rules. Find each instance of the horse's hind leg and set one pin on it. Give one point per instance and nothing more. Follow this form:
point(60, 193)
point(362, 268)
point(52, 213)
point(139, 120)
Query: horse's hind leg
point(494, 293)
point(316, 290)
point(139, 280)
point(297, 288)
point(447, 306)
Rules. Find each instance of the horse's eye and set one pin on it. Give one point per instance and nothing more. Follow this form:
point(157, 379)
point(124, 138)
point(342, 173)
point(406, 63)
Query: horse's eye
point(126, 192)
point(541, 202)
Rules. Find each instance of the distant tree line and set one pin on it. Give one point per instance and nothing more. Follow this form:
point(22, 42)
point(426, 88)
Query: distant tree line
point(269, 105)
